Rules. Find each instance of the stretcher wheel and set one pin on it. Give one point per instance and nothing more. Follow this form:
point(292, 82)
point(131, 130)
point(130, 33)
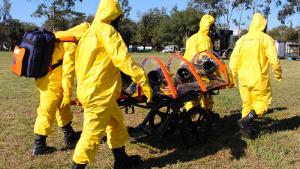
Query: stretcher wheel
point(157, 118)
point(195, 126)
point(152, 122)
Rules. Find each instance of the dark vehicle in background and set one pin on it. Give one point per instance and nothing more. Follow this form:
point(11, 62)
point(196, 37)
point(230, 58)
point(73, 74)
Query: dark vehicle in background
point(225, 44)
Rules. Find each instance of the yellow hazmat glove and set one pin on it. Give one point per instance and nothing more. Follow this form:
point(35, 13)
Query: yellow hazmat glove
point(147, 90)
point(65, 102)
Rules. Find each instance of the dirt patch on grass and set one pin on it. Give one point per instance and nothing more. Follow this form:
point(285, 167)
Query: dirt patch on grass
point(297, 161)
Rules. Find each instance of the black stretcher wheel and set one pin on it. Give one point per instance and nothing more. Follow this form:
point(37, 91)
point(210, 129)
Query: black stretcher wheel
point(195, 126)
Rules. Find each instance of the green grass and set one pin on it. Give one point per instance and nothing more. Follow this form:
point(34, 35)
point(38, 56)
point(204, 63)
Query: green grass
point(278, 145)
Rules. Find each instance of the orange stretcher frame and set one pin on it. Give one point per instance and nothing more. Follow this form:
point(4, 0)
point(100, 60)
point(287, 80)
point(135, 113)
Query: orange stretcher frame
point(189, 65)
point(223, 67)
point(165, 73)
point(193, 71)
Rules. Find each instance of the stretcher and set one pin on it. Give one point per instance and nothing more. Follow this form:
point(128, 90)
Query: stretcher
point(175, 83)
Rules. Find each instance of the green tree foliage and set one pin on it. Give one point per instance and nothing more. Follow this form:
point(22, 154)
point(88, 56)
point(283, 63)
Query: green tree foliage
point(11, 33)
point(11, 30)
point(59, 13)
point(159, 29)
point(147, 26)
point(284, 33)
point(289, 7)
point(226, 8)
point(214, 7)
point(262, 6)
point(298, 31)
point(240, 6)
point(128, 26)
point(228, 14)
point(5, 11)
point(128, 32)
point(182, 24)
point(125, 8)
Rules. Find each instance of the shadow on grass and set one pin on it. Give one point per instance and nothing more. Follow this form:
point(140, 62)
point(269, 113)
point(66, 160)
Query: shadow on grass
point(225, 135)
point(272, 110)
point(271, 125)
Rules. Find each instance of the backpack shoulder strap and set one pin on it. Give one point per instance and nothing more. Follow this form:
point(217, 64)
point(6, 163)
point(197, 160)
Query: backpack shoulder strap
point(62, 39)
point(52, 67)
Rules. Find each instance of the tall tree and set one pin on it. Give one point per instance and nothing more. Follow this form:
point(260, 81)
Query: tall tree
point(226, 9)
point(59, 14)
point(183, 24)
point(214, 7)
point(262, 6)
point(125, 8)
point(128, 31)
point(232, 7)
point(240, 7)
point(5, 11)
point(228, 12)
point(11, 33)
point(158, 29)
point(148, 24)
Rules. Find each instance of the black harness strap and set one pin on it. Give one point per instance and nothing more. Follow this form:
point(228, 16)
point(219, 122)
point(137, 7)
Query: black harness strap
point(56, 64)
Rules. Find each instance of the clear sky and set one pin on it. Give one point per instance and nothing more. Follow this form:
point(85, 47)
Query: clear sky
point(22, 10)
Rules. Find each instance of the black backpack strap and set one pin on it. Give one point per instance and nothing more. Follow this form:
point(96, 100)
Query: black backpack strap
point(52, 67)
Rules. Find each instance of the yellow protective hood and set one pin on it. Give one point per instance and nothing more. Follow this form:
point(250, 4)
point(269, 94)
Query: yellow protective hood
point(205, 23)
point(108, 10)
point(76, 31)
point(258, 23)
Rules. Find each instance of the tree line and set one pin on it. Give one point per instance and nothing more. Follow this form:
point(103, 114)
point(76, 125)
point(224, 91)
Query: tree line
point(157, 27)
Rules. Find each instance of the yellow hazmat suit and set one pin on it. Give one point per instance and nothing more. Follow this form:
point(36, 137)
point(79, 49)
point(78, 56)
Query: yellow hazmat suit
point(199, 42)
point(249, 62)
point(100, 56)
point(57, 83)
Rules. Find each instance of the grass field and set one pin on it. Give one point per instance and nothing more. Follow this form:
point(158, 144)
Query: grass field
point(278, 145)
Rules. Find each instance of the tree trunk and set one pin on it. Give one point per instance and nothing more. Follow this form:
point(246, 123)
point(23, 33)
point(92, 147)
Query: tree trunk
point(53, 16)
point(240, 19)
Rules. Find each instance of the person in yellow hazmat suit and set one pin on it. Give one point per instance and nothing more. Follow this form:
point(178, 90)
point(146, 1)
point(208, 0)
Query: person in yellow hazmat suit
point(201, 41)
point(100, 57)
point(249, 62)
point(55, 94)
